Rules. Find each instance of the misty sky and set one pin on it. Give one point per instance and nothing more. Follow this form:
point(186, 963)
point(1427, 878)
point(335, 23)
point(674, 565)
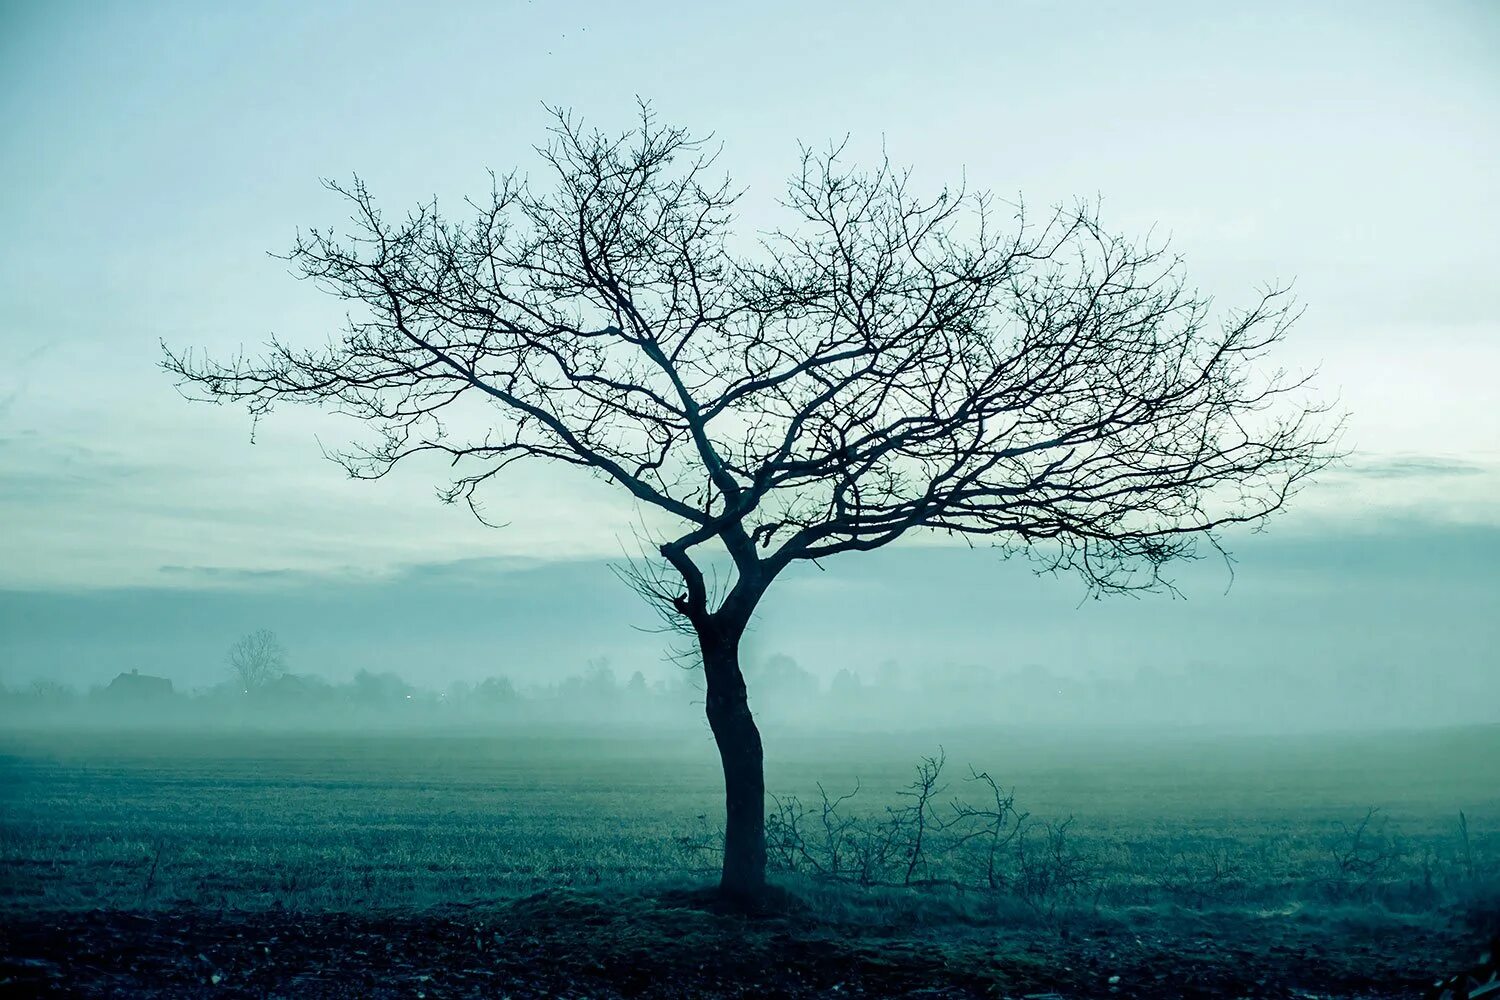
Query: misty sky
point(153, 154)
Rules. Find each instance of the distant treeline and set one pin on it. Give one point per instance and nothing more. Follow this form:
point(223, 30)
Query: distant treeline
point(367, 696)
point(782, 691)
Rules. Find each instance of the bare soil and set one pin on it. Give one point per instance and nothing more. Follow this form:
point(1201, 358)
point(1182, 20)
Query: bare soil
point(678, 944)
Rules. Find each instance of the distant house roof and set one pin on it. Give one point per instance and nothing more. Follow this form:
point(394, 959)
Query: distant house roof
point(139, 685)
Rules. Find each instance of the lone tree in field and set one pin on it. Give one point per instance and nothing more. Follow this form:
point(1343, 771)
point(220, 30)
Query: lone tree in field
point(887, 364)
point(257, 659)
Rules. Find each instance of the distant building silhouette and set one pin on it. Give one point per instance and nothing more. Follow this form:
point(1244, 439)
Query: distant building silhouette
point(136, 686)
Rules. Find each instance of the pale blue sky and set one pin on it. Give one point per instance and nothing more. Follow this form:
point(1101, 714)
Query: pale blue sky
point(153, 153)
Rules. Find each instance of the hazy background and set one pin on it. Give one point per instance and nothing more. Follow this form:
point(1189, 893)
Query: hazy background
point(152, 155)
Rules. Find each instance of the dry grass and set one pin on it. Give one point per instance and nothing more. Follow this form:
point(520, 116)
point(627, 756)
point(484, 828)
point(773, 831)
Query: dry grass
point(346, 823)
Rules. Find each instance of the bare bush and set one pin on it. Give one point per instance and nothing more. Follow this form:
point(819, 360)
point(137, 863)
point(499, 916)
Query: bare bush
point(1466, 844)
point(1053, 873)
point(702, 848)
point(994, 826)
point(1362, 855)
point(1196, 878)
point(987, 845)
point(980, 842)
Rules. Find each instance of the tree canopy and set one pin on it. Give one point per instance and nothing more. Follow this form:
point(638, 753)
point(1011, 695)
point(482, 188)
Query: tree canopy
point(885, 363)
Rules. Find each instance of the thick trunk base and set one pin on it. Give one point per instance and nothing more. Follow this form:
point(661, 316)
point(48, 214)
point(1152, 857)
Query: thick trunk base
point(740, 751)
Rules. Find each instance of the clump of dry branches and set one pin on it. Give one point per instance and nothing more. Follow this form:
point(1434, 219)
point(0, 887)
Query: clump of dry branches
point(979, 842)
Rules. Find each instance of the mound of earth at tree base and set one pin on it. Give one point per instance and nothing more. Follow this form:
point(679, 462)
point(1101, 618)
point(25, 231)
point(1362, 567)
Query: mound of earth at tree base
point(571, 945)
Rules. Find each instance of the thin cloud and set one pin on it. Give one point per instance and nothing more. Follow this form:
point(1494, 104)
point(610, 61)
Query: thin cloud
point(1416, 467)
point(224, 574)
point(18, 367)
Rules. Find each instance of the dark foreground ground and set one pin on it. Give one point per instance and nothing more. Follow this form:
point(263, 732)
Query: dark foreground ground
point(568, 944)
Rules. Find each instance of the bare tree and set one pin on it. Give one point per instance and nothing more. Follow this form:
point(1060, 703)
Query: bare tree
point(257, 659)
point(885, 365)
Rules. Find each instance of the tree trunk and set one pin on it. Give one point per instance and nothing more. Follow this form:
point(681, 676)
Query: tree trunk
point(735, 732)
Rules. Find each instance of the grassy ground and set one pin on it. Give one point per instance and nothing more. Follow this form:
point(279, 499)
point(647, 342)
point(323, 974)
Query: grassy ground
point(1187, 856)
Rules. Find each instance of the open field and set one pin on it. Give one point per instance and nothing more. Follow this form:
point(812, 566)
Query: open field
point(1247, 844)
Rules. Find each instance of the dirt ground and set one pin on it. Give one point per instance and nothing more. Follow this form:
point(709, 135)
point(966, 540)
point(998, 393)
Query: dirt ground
point(675, 944)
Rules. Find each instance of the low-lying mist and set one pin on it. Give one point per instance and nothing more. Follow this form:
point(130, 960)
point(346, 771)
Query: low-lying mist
point(886, 697)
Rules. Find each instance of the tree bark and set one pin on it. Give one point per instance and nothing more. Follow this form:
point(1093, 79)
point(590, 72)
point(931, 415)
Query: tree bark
point(738, 739)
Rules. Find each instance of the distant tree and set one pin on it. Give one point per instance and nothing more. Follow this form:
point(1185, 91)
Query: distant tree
point(636, 686)
point(380, 689)
point(257, 659)
point(845, 684)
point(888, 675)
point(888, 365)
point(300, 690)
point(49, 693)
point(597, 686)
point(600, 683)
point(496, 691)
point(782, 685)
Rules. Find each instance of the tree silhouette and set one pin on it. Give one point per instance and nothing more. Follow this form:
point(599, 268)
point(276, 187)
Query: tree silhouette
point(257, 659)
point(886, 364)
